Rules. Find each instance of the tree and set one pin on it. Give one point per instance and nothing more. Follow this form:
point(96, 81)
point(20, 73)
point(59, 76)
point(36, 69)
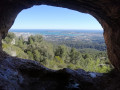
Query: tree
point(36, 55)
point(35, 38)
point(61, 51)
point(20, 42)
point(74, 56)
point(10, 36)
point(85, 56)
point(30, 55)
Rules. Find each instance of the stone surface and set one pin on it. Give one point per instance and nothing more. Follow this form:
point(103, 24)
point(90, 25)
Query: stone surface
point(19, 74)
point(22, 74)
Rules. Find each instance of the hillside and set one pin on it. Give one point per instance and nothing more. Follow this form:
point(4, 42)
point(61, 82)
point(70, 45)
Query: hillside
point(58, 55)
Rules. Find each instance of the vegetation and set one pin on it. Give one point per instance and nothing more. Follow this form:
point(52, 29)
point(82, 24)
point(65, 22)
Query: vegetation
point(56, 56)
point(98, 45)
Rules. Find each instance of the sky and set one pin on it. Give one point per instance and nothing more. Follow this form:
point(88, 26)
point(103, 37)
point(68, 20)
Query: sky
point(49, 17)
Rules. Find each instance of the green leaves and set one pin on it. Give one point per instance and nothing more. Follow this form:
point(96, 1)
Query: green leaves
point(9, 38)
point(56, 56)
point(35, 38)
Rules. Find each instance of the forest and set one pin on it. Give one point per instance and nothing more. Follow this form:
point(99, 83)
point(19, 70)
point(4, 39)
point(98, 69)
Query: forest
point(58, 55)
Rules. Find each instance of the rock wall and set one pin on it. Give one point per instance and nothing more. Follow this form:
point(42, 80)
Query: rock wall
point(20, 74)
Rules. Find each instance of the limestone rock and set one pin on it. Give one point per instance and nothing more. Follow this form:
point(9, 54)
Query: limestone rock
point(20, 74)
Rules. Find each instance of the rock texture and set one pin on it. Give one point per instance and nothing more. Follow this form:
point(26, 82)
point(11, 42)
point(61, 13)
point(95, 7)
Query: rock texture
point(19, 74)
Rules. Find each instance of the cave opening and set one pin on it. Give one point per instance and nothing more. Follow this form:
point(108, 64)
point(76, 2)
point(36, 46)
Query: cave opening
point(66, 41)
point(23, 74)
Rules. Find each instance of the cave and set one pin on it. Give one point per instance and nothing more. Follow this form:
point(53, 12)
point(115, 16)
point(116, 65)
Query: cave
point(20, 74)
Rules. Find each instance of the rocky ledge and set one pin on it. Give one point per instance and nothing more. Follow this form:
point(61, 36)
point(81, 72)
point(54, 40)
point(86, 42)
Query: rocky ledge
point(22, 74)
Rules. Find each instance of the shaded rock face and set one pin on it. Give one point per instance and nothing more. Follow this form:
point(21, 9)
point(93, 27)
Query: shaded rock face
point(20, 74)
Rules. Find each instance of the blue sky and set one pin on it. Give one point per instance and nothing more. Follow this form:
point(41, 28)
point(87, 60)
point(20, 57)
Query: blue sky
point(49, 17)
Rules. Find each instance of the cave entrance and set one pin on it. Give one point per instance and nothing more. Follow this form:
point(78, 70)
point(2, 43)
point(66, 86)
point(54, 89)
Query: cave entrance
point(67, 41)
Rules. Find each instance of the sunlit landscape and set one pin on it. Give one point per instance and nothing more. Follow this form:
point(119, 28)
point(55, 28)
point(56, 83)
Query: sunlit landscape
point(57, 49)
point(74, 40)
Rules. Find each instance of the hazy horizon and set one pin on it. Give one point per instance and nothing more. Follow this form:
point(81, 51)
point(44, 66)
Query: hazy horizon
point(61, 29)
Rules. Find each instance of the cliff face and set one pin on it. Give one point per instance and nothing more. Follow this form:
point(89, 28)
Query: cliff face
point(18, 73)
point(21, 74)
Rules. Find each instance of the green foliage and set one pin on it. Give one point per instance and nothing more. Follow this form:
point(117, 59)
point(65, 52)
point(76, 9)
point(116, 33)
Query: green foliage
point(30, 55)
point(36, 54)
point(35, 38)
point(61, 51)
point(56, 63)
point(93, 44)
point(10, 36)
point(74, 56)
point(57, 56)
